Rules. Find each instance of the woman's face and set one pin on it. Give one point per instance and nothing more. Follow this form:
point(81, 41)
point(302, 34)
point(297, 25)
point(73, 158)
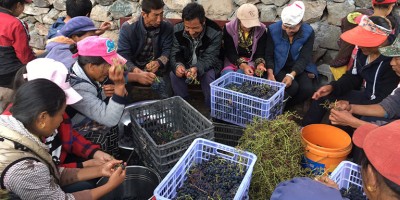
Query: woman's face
point(395, 63)
point(369, 50)
point(244, 28)
point(51, 123)
point(99, 72)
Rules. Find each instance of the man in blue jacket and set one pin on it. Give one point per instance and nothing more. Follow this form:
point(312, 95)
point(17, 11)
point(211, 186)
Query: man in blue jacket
point(289, 53)
point(195, 51)
point(145, 42)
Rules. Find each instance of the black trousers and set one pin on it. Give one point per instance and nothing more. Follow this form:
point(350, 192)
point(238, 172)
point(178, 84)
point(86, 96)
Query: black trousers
point(301, 89)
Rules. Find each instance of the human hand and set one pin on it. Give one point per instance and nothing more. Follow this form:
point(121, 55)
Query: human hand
point(116, 74)
point(103, 28)
point(247, 69)
point(109, 167)
point(343, 117)
point(180, 71)
point(117, 177)
point(152, 66)
point(260, 70)
point(145, 78)
point(322, 91)
point(192, 73)
point(343, 105)
point(288, 81)
point(101, 155)
point(108, 90)
point(327, 181)
point(93, 162)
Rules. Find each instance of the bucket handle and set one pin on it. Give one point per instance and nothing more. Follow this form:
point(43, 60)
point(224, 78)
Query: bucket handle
point(323, 158)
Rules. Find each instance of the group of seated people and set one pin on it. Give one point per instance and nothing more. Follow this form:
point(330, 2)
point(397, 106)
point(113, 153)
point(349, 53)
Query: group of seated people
point(59, 133)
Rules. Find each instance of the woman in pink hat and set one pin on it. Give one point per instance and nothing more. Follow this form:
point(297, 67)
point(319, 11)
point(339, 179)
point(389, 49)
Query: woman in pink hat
point(245, 40)
point(94, 116)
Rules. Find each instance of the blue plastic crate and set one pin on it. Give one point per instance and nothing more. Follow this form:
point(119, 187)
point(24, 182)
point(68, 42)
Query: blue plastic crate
point(347, 174)
point(239, 108)
point(199, 150)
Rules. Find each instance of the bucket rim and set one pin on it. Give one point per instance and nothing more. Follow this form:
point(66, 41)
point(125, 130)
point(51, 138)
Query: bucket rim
point(343, 133)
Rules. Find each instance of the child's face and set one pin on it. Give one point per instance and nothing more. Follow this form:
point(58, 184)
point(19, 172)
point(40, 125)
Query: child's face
point(18, 9)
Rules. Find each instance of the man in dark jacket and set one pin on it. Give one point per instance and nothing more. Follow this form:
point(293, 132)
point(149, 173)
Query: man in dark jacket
point(195, 51)
point(145, 42)
point(14, 41)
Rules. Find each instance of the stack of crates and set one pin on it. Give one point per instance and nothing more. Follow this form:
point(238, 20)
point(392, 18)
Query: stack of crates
point(172, 115)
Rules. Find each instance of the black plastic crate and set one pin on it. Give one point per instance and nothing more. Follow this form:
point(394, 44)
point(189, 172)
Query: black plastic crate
point(170, 114)
point(228, 134)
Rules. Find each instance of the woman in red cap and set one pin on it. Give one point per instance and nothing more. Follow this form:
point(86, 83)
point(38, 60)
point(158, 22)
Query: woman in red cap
point(371, 78)
point(380, 166)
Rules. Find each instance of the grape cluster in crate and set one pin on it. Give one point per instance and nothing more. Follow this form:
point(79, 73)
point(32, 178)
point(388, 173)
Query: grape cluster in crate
point(213, 179)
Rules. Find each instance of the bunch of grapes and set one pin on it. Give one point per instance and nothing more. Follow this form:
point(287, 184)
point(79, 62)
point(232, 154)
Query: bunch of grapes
point(353, 193)
point(191, 79)
point(213, 179)
point(263, 91)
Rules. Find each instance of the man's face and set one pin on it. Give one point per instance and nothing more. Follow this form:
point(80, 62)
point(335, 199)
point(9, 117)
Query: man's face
point(291, 30)
point(153, 18)
point(395, 63)
point(193, 27)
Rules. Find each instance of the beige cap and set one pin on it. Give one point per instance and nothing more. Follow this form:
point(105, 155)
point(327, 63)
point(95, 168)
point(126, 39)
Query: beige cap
point(248, 15)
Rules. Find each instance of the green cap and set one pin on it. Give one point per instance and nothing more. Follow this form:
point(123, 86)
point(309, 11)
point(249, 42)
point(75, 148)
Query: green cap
point(392, 50)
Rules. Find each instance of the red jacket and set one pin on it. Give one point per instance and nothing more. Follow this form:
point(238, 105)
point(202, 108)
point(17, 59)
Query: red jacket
point(67, 141)
point(14, 43)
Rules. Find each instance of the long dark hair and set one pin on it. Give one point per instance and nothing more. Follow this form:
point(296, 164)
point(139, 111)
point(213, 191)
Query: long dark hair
point(381, 179)
point(35, 97)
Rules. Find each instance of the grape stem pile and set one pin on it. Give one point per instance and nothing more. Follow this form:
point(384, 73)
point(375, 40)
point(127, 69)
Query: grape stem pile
point(213, 179)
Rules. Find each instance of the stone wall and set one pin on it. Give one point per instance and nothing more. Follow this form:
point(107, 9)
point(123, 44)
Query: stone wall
point(324, 17)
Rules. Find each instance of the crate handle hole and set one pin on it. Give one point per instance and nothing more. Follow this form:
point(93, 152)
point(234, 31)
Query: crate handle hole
point(225, 153)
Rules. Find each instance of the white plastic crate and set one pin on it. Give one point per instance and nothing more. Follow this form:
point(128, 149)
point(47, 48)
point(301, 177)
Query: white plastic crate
point(347, 174)
point(201, 150)
point(239, 108)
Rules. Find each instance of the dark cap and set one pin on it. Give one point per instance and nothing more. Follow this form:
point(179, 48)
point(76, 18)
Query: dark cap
point(76, 25)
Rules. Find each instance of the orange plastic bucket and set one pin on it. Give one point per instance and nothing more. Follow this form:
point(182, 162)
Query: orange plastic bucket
point(325, 147)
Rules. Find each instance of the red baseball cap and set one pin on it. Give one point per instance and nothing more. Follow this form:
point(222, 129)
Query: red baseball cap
point(380, 144)
point(28, 1)
point(366, 34)
point(383, 1)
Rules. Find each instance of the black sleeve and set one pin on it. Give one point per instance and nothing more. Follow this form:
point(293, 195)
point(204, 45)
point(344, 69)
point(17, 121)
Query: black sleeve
point(261, 45)
point(229, 48)
point(346, 83)
point(124, 46)
point(305, 56)
point(269, 52)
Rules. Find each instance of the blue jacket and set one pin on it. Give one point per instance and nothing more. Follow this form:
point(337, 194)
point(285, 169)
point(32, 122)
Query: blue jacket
point(53, 31)
point(282, 45)
point(131, 42)
point(58, 49)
